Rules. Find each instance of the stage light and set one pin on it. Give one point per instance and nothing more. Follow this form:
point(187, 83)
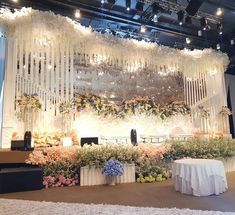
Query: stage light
point(142, 29)
point(155, 18)
point(232, 42)
point(219, 11)
point(220, 28)
point(102, 1)
point(156, 10)
point(180, 15)
point(128, 5)
point(188, 41)
point(77, 14)
point(199, 33)
point(218, 46)
point(16, 1)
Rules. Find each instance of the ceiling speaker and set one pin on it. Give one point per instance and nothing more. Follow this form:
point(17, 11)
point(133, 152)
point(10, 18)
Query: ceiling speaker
point(193, 7)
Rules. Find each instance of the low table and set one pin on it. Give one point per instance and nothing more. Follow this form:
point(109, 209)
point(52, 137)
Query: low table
point(153, 139)
point(117, 139)
point(199, 177)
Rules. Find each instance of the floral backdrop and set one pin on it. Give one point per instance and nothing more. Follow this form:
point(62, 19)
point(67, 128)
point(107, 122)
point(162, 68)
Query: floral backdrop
point(111, 82)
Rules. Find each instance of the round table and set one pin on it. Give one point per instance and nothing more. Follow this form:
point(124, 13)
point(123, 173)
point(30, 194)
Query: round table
point(199, 177)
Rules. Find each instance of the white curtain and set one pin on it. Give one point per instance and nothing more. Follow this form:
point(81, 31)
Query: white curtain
point(230, 89)
point(2, 70)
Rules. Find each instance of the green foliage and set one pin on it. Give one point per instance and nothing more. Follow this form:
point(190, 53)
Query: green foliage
point(65, 168)
point(98, 155)
point(149, 170)
point(207, 149)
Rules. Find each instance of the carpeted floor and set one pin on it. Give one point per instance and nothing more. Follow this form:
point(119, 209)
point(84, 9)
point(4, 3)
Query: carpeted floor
point(24, 207)
point(158, 195)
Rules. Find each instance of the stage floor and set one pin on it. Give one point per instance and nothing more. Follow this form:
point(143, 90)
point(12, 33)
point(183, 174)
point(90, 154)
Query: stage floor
point(159, 195)
point(8, 156)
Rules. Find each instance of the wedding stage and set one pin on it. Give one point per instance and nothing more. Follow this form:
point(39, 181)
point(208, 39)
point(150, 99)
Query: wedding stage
point(142, 105)
point(64, 85)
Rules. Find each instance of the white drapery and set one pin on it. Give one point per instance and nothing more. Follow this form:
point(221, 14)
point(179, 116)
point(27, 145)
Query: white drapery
point(230, 88)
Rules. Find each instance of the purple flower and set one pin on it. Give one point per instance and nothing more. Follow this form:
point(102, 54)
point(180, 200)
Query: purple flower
point(112, 168)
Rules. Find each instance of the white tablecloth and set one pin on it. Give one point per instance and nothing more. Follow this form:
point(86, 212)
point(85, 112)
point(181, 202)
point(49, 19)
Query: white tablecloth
point(199, 177)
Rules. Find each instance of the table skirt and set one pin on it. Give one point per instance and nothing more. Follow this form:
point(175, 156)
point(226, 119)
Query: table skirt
point(214, 185)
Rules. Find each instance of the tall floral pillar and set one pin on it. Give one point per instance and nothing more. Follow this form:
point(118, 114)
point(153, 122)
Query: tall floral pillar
point(224, 113)
point(66, 109)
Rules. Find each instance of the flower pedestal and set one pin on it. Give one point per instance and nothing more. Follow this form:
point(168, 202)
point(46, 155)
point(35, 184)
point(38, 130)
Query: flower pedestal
point(111, 180)
point(93, 176)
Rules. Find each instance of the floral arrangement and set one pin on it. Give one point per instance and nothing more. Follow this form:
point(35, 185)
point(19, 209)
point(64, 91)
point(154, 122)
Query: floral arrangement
point(205, 113)
point(153, 164)
point(151, 151)
point(67, 107)
point(53, 155)
point(53, 139)
point(98, 155)
point(59, 181)
point(136, 105)
point(225, 111)
point(214, 148)
point(112, 168)
point(28, 102)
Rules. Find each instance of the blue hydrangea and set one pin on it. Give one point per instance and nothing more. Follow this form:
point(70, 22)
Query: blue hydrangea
point(112, 168)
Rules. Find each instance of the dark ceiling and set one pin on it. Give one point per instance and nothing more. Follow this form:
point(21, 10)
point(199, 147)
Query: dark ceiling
point(112, 17)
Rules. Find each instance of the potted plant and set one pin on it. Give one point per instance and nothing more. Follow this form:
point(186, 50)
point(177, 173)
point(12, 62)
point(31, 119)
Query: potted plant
point(111, 169)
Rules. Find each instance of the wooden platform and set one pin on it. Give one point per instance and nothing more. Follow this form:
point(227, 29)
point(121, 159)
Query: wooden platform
point(8, 156)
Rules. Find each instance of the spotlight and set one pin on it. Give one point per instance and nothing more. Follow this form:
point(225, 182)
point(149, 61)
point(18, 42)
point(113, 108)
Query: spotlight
point(220, 28)
point(232, 42)
point(180, 17)
point(156, 10)
point(188, 20)
point(142, 29)
point(188, 41)
point(199, 33)
point(77, 14)
point(16, 1)
point(128, 5)
point(102, 1)
point(218, 46)
point(219, 11)
point(155, 18)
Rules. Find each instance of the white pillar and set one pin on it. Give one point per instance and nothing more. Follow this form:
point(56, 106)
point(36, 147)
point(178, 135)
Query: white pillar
point(8, 95)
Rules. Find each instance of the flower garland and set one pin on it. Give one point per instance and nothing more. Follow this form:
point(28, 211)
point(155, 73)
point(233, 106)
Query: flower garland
point(28, 102)
point(137, 105)
point(204, 113)
point(67, 107)
point(225, 111)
